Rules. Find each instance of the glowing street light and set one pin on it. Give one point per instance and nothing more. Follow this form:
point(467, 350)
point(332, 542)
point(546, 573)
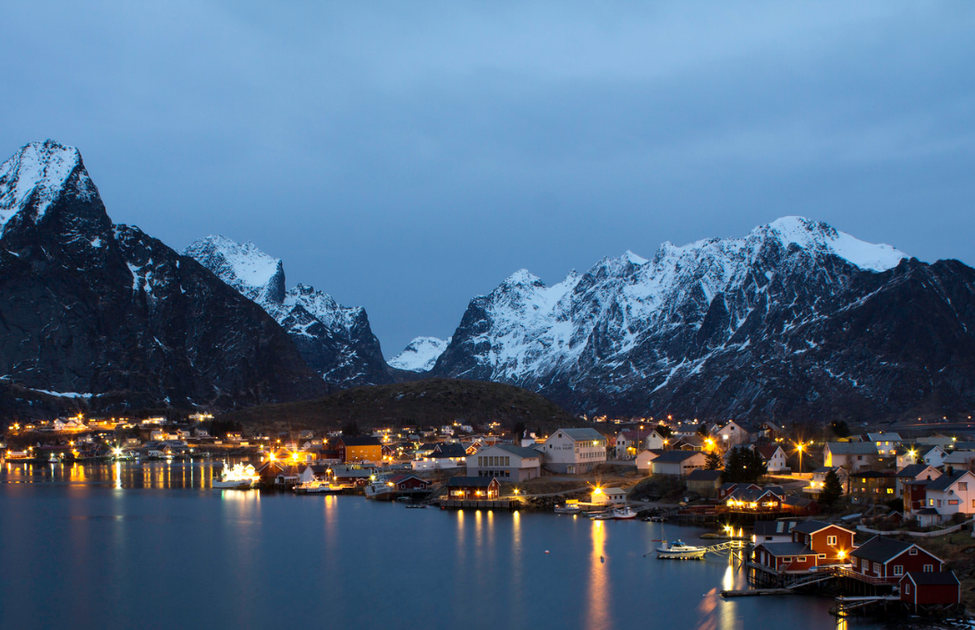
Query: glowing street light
point(801, 447)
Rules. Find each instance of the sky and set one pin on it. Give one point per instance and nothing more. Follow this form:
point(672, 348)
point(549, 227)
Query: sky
point(408, 156)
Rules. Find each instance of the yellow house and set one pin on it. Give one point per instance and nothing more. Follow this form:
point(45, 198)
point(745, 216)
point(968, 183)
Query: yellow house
point(359, 449)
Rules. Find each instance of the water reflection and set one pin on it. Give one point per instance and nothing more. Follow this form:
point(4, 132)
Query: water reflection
point(163, 474)
point(597, 614)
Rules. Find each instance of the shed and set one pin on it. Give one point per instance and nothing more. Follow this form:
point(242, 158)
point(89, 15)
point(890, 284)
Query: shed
point(934, 588)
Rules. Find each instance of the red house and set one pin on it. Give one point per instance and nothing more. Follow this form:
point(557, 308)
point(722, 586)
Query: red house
point(888, 560)
point(409, 483)
point(920, 590)
point(814, 544)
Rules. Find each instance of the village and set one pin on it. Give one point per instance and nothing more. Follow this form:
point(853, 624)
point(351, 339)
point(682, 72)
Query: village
point(874, 520)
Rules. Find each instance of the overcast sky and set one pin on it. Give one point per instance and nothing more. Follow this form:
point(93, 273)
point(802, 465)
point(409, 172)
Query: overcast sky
point(407, 156)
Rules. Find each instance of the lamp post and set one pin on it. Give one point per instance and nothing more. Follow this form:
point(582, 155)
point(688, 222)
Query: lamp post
point(800, 446)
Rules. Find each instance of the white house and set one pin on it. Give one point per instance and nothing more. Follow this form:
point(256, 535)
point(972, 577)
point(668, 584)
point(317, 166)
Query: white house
point(851, 456)
point(958, 459)
point(774, 457)
point(608, 496)
point(678, 463)
point(644, 460)
point(914, 472)
point(506, 462)
point(886, 443)
point(574, 450)
point(732, 434)
point(952, 494)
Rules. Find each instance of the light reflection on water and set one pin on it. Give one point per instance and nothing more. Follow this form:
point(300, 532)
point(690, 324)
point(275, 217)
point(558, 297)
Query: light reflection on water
point(156, 532)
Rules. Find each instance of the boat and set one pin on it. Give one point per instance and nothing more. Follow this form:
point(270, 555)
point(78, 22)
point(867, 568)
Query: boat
point(237, 477)
point(656, 518)
point(680, 551)
point(316, 487)
point(416, 506)
point(568, 508)
point(380, 489)
point(624, 513)
point(601, 516)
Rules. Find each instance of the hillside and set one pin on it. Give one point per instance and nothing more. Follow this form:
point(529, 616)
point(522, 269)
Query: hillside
point(431, 402)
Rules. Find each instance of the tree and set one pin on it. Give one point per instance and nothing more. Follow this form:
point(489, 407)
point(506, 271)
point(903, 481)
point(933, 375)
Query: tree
point(840, 428)
point(713, 461)
point(744, 466)
point(832, 490)
point(664, 431)
point(351, 429)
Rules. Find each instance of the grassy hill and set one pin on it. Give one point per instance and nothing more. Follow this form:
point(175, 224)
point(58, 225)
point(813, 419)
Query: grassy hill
point(429, 402)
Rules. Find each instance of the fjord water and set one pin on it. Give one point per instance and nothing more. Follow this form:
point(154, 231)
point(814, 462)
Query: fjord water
point(151, 546)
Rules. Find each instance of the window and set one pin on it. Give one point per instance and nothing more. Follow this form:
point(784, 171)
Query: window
point(831, 540)
point(912, 552)
point(822, 556)
point(877, 568)
point(952, 501)
point(963, 486)
point(898, 569)
point(907, 588)
point(929, 568)
point(801, 559)
point(787, 559)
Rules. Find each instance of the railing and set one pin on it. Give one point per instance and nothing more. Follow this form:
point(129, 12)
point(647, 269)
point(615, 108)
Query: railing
point(940, 532)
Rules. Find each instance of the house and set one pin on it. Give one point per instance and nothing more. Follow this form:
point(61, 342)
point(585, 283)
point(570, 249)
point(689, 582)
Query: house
point(774, 458)
point(727, 489)
point(574, 451)
point(852, 456)
point(505, 461)
point(770, 430)
point(814, 544)
point(773, 531)
point(409, 483)
point(351, 475)
point(934, 588)
point(608, 496)
point(313, 472)
point(644, 460)
point(358, 449)
point(888, 559)
point(630, 442)
point(704, 482)
point(734, 434)
point(441, 456)
point(914, 472)
point(886, 443)
point(800, 506)
point(952, 494)
point(752, 498)
point(946, 443)
point(869, 487)
point(678, 463)
point(909, 454)
point(819, 478)
point(473, 489)
point(959, 459)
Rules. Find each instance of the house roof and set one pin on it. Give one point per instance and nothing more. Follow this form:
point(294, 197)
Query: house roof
point(881, 549)
point(912, 471)
point(469, 482)
point(932, 578)
point(675, 457)
point(797, 502)
point(811, 527)
point(579, 435)
point(852, 448)
point(884, 437)
point(785, 549)
point(772, 528)
point(444, 449)
point(360, 440)
point(752, 494)
point(703, 475)
point(520, 451)
point(945, 481)
point(768, 451)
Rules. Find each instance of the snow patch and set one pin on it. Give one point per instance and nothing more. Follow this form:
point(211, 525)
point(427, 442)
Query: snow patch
point(420, 355)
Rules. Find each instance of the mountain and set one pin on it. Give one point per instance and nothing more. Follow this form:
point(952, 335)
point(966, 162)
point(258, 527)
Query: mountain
point(103, 313)
point(420, 355)
point(335, 341)
point(795, 321)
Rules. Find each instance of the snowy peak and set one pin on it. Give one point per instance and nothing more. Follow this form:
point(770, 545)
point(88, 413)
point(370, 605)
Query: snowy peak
point(816, 236)
point(39, 174)
point(420, 355)
point(244, 267)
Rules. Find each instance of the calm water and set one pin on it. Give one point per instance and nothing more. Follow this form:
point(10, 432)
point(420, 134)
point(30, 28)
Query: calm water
point(149, 546)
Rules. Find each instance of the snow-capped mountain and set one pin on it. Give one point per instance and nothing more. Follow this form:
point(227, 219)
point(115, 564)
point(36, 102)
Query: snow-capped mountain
point(115, 317)
point(336, 341)
point(760, 325)
point(420, 355)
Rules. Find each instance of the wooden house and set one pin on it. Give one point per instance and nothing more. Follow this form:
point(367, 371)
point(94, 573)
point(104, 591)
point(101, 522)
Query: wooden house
point(359, 449)
point(888, 559)
point(473, 489)
point(813, 544)
point(409, 483)
point(934, 588)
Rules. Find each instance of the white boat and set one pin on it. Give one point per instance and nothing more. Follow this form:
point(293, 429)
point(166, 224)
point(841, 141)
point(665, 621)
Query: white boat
point(680, 551)
point(316, 487)
point(381, 489)
point(601, 516)
point(569, 508)
point(624, 513)
point(236, 477)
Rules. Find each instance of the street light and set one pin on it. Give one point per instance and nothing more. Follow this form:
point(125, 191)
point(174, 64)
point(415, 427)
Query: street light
point(800, 446)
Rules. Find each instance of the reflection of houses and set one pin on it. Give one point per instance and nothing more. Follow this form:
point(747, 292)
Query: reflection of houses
point(887, 560)
point(473, 489)
point(505, 461)
point(678, 463)
point(574, 451)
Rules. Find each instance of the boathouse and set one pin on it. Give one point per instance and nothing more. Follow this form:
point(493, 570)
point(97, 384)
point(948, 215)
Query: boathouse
point(473, 489)
point(924, 590)
point(888, 559)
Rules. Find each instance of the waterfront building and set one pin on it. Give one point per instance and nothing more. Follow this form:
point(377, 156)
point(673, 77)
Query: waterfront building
point(358, 449)
point(752, 498)
point(574, 451)
point(473, 489)
point(608, 496)
point(814, 544)
point(888, 559)
point(932, 589)
point(773, 531)
point(505, 461)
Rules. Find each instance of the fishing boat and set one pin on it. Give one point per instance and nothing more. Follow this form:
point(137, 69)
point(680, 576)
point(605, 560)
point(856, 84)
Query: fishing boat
point(568, 508)
point(680, 551)
point(316, 487)
point(380, 489)
point(601, 516)
point(624, 513)
point(237, 477)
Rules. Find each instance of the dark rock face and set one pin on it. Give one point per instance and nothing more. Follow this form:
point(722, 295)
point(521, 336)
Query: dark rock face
point(335, 341)
point(763, 327)
point(107, 311)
